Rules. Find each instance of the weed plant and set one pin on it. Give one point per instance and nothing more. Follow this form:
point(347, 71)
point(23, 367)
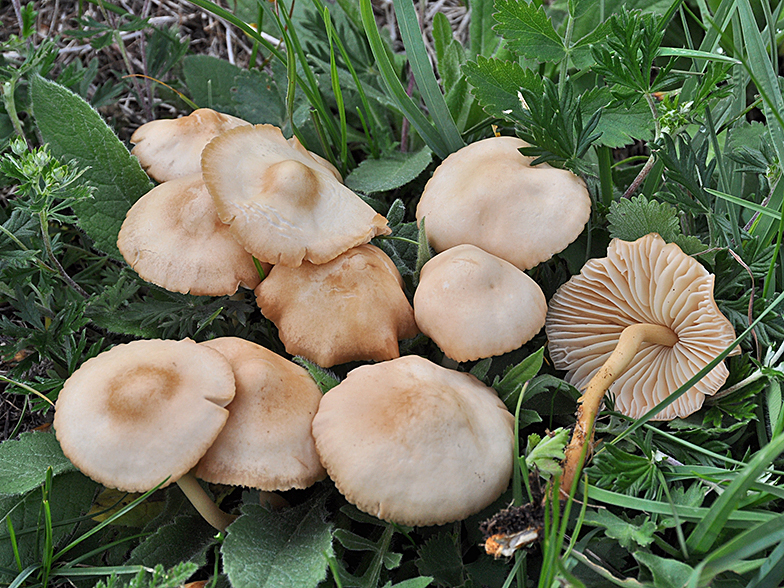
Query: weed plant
point(692, 502)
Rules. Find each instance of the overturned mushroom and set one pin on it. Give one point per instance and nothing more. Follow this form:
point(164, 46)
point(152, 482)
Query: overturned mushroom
point(282, 204)
point(640, 322)
point(348, 309)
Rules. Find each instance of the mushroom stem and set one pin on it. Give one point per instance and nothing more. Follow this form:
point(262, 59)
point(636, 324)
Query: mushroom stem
point(632, 337)
point(203, 503)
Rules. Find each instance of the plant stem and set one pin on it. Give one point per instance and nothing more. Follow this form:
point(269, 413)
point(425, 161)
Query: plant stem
point(203, 503)
point(646, 169)
point(628, 345)
point(50, 253)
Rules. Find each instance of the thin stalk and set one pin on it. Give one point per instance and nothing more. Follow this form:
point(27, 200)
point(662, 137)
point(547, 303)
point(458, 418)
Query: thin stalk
point(604, 154)
point(563, 74)
point(203, 503)
point(50, 253)
point(646, 169)
point(9, 102)
point(26, 388)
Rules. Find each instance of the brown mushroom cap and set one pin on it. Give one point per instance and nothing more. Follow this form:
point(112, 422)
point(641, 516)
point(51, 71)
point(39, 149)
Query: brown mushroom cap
point(411, 442)
point(474, 304)
point(171, 148)
point(283, 205)
point(143, 411)
point(350, 308)
point(266, 443)
point(487, 194)
point(294, 142)
point(172, 237)
point(646, 281)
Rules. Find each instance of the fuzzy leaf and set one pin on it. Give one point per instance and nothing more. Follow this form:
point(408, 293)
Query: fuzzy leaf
point(256, 99)
point(23, 463)
point(627, 534)
point(667, 573)
point(528, 30)
point(440, 558)
point(388, 173)
point(210, 81)
point(281, 549)
point(325, 379)
point(185, 539)
point(83, 136)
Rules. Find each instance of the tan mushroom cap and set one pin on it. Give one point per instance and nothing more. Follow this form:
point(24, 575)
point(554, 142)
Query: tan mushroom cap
point(294, 142)
point(487, 194)
point(414, 443)
point(283, 205)
point(474, 304)
point(351, 308)
point(172, 237)
point(143, 411)
point(647, 281)
point(266, 443)
point(171, 148)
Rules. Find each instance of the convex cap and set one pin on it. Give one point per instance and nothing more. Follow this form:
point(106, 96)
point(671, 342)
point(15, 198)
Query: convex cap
point(282, 204)
point(143, 411)
point(487, 194)
point(266, 443)
point(414, 443)
point(171, 148)
point(645, 281)
point(474, 304)
point(172, 237)
point(350, 308)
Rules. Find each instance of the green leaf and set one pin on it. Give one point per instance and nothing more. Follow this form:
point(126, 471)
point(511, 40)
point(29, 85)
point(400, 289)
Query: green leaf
point(84, 137)
point(281, 549)
point(440, 558)
point(185, 539)
point(496, 85)
point(627, 534)
point(510, 385)
point(667, 573)
point(420, 582)
point(23, 463)
point(423, 249)
point(390, 172)
point(324, 378)
point(618, 124)
point(256, 99)
point(546, 453)
point(210, 81)
point(484, 41)
point(528, 30)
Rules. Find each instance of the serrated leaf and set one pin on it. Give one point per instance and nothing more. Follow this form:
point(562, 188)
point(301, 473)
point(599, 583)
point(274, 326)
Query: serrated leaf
point(528, 30)
point(281, 549)
point(667, 572)
point(83, 136)
point(627, 534)
point(185, 539)
point(324, 378)
point(547, 453)
point(23, 463)
point(390, 172)
point(496, 85)
point(439, 557)
point(618, 124)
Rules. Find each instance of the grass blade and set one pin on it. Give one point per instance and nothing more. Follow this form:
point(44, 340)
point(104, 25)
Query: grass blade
point(697, 54)
point(763, 210)
point(423, 74)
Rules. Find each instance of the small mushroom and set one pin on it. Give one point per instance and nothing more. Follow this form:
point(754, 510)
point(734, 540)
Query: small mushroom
point(350, 308)
point(474, 304)
point(414, 443)
point(172, 237)
point(640, 322)
point(282, 204)
point(266, 443)
point(171, 148)
point(487, 194)
point(146, 411)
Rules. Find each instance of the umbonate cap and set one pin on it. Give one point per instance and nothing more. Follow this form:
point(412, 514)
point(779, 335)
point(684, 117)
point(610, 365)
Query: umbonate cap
point(351, 308)
point(283, 205)
point(172, 237)
point(143, 411)
point(474, 304)
point(645, 281)
point(487, 194)
point(171, 148)
point(414, 443)
point(266, 443)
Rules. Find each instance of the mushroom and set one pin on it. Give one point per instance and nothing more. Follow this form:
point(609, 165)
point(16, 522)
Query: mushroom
point(266, 443)
point(350, 308)
point(474, 304)
point(487, 194)
point(172, 237)
point(282, 204)
point(646, 305)
point(144, 412)
point(414, 443)
point(171, 148)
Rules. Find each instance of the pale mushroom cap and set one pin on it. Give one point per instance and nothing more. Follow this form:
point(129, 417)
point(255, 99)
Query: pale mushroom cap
point(411, 442)
point(294, 142)
point(646, 281)
point(283, 205)
point(487, 194)
point(171, 148)
point(266, 443)
point(172, 237)
point(474, 304)
point(351, 308)
point(143, 411)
